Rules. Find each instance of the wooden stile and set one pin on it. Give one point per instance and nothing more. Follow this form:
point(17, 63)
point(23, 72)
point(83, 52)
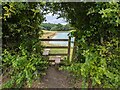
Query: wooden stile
point(46, 52)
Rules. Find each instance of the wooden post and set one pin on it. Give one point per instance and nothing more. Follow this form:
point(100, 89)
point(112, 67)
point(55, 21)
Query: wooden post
point(69, 45)
point(74, 49)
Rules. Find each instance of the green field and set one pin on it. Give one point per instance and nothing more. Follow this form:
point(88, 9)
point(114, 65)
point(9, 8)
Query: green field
point(61, 51)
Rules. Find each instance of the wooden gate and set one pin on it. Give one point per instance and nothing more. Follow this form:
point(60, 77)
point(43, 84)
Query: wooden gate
point(59, 47)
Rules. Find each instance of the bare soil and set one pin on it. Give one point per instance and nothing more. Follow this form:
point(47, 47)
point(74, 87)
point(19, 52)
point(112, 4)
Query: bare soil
point(55, 79)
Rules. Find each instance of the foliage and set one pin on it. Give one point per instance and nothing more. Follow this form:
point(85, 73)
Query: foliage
point(100, 65)
point(97, 36)
point(21, 47)
point(20, 22)
point(56, 27)
point(47, 26)
point(24, 68)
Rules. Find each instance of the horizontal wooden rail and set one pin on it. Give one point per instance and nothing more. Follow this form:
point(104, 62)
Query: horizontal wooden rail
point(59, 47)
point(53, 59)
point(54, 39)
point(55, 47)
point(57, 54)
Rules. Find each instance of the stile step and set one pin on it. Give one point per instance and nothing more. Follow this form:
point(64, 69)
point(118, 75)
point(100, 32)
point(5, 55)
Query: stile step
point(46, 51)
point(56, 59)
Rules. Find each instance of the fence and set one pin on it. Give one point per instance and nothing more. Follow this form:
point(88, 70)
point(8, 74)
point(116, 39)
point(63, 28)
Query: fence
point(59, 47)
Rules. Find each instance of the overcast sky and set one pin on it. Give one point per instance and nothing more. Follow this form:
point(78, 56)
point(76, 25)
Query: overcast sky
point(52, 19)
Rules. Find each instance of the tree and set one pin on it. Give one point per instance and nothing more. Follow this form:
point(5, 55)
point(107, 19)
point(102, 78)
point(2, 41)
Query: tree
point(67, 27)
point(97, 38)
point(47, 26)
point(21, 47)
point(55, 28)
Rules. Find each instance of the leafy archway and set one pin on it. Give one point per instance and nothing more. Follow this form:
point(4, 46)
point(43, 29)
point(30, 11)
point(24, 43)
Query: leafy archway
point(97, 37)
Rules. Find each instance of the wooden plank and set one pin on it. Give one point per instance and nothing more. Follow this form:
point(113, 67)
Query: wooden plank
point(69, 45)
point(46, 51)
point(50, 60)
point(55, 47)
point(57, 59)
point(53, 59)
point(74, 49)
point(54, 39)
point(57, 54)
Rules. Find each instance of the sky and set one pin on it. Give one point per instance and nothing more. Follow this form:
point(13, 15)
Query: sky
point(53, 19)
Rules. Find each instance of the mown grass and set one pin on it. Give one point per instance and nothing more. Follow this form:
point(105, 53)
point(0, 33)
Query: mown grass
point(62, 51)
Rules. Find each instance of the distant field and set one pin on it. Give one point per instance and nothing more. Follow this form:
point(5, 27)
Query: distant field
point(48, 33)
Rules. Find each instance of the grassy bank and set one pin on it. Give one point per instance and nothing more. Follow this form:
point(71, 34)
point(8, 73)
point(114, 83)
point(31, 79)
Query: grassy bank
point(49, 34)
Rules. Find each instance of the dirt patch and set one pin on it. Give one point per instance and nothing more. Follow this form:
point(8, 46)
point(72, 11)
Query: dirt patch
point(54, 79)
